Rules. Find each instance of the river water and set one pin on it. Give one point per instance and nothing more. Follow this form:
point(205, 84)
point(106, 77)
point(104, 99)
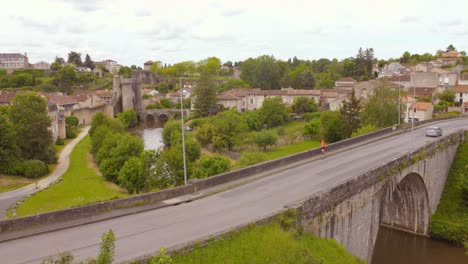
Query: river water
point(397, 247)
point(151, 135)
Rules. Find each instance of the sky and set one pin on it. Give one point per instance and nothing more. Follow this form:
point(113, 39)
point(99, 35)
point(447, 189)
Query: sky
point(132, 32)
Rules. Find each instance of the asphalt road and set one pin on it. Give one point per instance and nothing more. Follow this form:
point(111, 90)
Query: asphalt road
point(145, 233)
point(8, 198)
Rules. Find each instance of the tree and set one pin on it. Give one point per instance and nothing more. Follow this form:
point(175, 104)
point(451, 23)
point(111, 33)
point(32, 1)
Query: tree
point(253, 120)
point(75, 58)
point(55, 66)
point(9, 152)
point(274, 111)
point(230, 126)
point(107, 248)
point(64, 79)
point(264, 139)
point(28, 114)
point(204, 96)
point(163, 87)
point(171, 126)
point(381, 109)
point(406, 57)
point(88, 63)
point(204, 134)
point(313, 128)
point(71, 125)
point(124, 147)
point(451, 48)
point(350, 111)
point(129, 118)
point(447, 95)
point(125, 71)
point(231, 84)
point(228, 64)
point(331, 126)
point(303, 105)
point(210, 66)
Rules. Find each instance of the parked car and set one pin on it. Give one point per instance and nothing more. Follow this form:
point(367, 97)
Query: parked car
point(433, 132)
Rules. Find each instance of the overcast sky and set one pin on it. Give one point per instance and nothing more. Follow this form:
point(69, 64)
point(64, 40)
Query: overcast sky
point(134, 31)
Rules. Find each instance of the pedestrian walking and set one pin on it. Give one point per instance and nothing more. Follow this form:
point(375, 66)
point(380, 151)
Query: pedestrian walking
point(323, 145)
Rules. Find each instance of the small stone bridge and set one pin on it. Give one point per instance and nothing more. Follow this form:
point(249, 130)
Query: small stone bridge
point(401, 194)
point(160, 115)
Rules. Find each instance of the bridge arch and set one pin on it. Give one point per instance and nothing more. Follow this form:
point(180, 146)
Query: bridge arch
point(406, 206)
point(163, 118)
point(149, 119)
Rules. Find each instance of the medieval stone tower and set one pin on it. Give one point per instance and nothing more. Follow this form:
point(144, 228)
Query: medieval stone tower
point(127, 94)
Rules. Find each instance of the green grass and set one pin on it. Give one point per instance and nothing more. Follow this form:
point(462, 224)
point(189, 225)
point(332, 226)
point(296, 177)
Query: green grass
point(450, 222)
point(81, 185)
point(291, 149)
point(269, 244)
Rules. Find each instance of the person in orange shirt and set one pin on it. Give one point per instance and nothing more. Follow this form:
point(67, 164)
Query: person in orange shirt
point(323, 145)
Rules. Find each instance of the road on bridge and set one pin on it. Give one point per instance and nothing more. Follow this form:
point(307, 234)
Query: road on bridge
point(144, 233)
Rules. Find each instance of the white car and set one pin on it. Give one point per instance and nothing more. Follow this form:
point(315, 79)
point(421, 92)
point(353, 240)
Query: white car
point(433, 132)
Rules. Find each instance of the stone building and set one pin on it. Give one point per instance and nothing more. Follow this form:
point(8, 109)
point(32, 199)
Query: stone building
point(13, 61)
point(42, 65)
point(127, 94)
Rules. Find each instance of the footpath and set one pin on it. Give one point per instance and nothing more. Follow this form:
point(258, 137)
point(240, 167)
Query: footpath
point(9, 198)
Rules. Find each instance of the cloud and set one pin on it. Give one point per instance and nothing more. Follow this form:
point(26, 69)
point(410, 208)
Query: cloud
point(85, 5)
point(409, 19)
point(165, 32)
point(318, 31)
point(75, 29)
point(462, 32)
point(450, 23)
point(233, 12)
point(213, 37)
point(37, 25)
point(142, 13)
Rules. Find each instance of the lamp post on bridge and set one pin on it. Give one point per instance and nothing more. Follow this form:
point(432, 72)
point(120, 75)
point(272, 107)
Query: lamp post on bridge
point(183, 127)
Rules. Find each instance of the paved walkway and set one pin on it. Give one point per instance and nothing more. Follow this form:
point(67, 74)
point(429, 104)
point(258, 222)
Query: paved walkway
point(8, 198)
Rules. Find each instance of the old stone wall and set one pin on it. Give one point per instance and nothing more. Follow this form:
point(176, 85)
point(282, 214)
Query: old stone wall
point(146, 77)
point(402, 194)
point(85, 115)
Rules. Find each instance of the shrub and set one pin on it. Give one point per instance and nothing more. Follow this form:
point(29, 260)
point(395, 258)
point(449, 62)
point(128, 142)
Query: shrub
point(61, 258)
point(170, 126)
point(264, 139)
point(364, 130)
point(106, 253)
point(205, 134)
point(35, 168)
point(250, 158)
point(59, 141)
point(129, 118)
point(212, 165)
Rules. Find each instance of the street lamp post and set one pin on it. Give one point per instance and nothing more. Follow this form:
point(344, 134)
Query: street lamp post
point(412, 119)
point(183, 128)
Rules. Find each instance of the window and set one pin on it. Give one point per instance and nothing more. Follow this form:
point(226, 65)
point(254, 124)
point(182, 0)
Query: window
point(251, 100)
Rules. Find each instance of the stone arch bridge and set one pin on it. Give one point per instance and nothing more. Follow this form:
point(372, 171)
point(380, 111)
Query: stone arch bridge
point(401, 194)
point(159, 115)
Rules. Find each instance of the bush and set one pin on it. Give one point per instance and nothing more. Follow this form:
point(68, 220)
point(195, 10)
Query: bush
point(364, 130)
point(129, 118)
point(209, 166)
point(61, 258)
point(311, 116)
point(205, 134)
point(250, 158)
point(59, 141)
point(264, 139)
point(170, 126)
point(35, 168)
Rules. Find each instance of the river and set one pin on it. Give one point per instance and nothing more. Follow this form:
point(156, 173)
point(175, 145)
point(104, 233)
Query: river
point(151, 135)
point(393, 246)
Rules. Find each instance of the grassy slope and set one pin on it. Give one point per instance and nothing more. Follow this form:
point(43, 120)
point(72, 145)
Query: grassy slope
point(450, 222)
point(269, 244)
point(81, 185)
point(9, 183)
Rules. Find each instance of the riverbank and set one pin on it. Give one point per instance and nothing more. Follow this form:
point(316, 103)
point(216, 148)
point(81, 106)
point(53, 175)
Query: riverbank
point(450, 221)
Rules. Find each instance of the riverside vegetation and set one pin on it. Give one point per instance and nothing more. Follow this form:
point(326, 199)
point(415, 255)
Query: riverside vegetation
point(450, 221)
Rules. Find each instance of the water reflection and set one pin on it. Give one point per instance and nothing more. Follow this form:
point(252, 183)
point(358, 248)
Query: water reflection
point(151, 133)
point(393, 246)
